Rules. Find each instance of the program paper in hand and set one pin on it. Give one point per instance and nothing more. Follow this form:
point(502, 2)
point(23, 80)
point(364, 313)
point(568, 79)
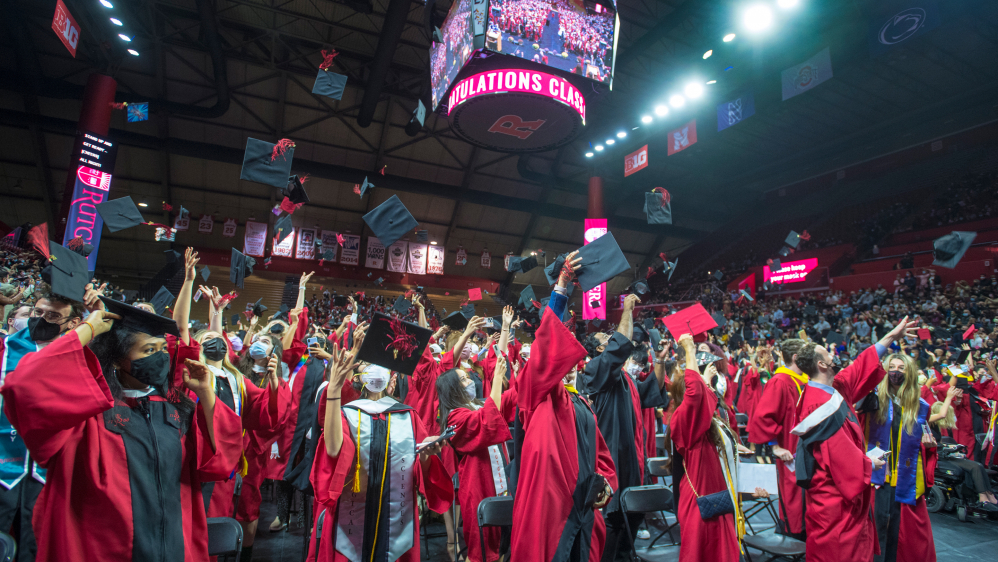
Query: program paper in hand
point(752, 476)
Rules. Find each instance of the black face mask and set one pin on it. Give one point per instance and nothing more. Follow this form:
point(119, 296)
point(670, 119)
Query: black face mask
point(214, 349)
point(895, 377)
point(41, 330)
point(153, 370)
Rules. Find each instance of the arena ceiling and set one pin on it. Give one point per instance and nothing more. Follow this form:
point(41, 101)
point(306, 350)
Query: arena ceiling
point(250, 74)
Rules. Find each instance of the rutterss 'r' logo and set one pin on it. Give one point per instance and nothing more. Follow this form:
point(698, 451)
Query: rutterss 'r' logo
point(515, 126)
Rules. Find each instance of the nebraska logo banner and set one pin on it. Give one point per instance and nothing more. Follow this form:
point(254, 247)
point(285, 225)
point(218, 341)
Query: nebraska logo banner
point(375, 254)
point(417, 258)
point(256, 239)
point(486, 259)
point(435, 260)
point(904, 21)
point(287, 247)
point(330, 244)
point(206, 224)
point(396, 256)
point(462, 256)
point(735, 111)
point(229, 228)
point(808, 74)
point(635, 161)
point(306, 244)
point(683, 137)
point(351, 250)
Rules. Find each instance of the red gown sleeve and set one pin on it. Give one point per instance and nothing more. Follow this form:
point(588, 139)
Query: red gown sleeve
point(447, 360)
point(266, 408)
point(215, 463)
point(432, 478)
point(179, 351)
point(554, 353)
point(691, 420)
point(423, 374)
point(478, 429)
point(52, 392)
point(293, 354)
point(988, 390)
point(861, 377)
point(766, 423)
point(847, 464)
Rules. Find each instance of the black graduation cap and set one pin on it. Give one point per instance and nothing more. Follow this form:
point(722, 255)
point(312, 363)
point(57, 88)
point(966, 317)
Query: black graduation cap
point(593, 303)
point(329, 84)
point(119, 214)
point(706, 357)
point(240, 267)
point(183, 213)
point(327, 254)
point(648, 323)
point(205, 273)
point(809, 310)
point(379, 281)
point(296, 190)
point(553, 269)
point(422, 236)
point(719, 318)
point(283, 229)
point(639, 334)
point(259, 167)
point(670, 268)
point(468, 311)
point(776, 265)
point(162, 300)
point(402, 305)
point(80, 247)
point(258, 308)
point(394, 344)
point(784, 252)
point(835, 338)
point(521, 264)
point(172, 256)
point(437, 36)
point(390, 221)
point(596, 322)
point(419, 114)
point(717, 274)
point(640, 287)
point(339, 300)
point(67, 273)
point(658, 209)
point(527, 297)
point(139, 319)
point(601, 261)
point(948, 250)
point(654, 336)
point(235, 319)
point(456, 321)
point(793, 239)
point(282, 314)
point(364, 186)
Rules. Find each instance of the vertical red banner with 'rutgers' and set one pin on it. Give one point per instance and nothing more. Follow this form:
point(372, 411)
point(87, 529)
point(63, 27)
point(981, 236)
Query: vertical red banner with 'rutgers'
point(66, 27)
point(594, 229)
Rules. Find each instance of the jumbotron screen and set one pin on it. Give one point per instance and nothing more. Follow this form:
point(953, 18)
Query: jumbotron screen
point(576, 36)
point(447, 58)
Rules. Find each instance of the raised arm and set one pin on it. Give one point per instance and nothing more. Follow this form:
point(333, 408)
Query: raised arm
point(422, 311)
point(182, 311)
point(507, 319)
point(340, 365)
point(301, 289)
point(215, 314)
point(498, 373)
point(626, 327)
point(474, 325)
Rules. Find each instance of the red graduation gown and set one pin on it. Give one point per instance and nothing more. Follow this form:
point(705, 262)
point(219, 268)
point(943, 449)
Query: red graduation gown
point(714, 539)
point(91, 508)
point(648, 422)
point(475, 431)
point(774, 416)
point(422, 394)
point(751, 391)
point(549, 463)
point(840, 525)
point(275, 466)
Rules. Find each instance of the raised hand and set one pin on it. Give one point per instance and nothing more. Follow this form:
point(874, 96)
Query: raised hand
point(359, 333)
point(304, 278)
point(630, 301)
point(190, 264)
point(91, 298)
point(474, 325)
point(272, 366)
point(507, 316)
point(198, 378)
point(341, 364)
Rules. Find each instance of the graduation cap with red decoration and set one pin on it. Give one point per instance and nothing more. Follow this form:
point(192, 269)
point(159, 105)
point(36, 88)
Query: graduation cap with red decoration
point(268, 163)
point(475, 294)
point(658, 206)
point(394, 344)
point(328, 83)
point(691, 320)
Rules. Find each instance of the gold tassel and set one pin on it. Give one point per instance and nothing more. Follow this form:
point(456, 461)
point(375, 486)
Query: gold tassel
point(356, 472)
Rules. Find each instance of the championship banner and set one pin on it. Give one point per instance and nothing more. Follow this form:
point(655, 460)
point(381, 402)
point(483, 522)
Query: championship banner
point(683, 137)
point(329, 243)
point(351, 250)
point(735, 111)
point(305, 249)
point(635, 161)
point(229, 228)
point(462, 256)
point(417, 258)
point(375, 258)
point(285, 249)
point(396, 256)
point(255, 240)
point(594, 229)
point(206, 224)
point(435, 260)
point(486, 259)
point(808, 74)
point(903, 21)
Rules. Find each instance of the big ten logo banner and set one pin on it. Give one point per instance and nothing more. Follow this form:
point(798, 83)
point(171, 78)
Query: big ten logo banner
point(635, 161)
point(396, 256)
point(375, 257)
point(65, 27)
point(351, 250)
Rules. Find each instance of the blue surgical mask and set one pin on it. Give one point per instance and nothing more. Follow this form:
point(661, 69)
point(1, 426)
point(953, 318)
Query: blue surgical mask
point(258, 350)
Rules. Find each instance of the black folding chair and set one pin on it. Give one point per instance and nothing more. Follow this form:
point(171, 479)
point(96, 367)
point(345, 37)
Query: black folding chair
point(756, 506)
point(660, 442)
point(494, 512)
point(659, 468)
point(644, 499)
point(8, 548)
point(225, 537)
point(776, 546)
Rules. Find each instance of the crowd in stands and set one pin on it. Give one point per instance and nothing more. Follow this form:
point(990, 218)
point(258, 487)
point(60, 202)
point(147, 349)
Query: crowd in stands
point(967, 199)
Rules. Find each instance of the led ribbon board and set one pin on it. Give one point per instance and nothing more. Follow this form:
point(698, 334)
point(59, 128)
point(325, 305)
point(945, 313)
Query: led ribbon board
point(790, 272)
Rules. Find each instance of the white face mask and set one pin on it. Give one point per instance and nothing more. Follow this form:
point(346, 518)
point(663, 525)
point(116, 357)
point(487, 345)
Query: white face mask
point(632, 369)
point(375, 378)
point(470, 390)
point(18, 324)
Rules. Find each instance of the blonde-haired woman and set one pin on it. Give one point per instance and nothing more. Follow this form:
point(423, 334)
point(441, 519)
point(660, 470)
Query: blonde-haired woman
point(902, 519)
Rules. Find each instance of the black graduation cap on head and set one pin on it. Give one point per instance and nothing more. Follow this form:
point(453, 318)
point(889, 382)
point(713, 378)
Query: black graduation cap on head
point(654, 336)
point(527, 297)
point(639, 334)
point(283, 229)
point(139, 319)
point(468, 311)
point(67, 273)
point(793, 239)
point(419, 114)
point(258, 308)
point(162, 300)
point(456, 321)
point(329, 84)
point(119, 214)
point(240, 267)
point(835, 338)
point(264, 163)
point(553, 269)
point(364, 186)
point(422, 236)
point(394, 344)
point(658, 208)
point(295, 191)
point(784, 252)
point(601, 261)
point(205, 273)
point(402, 305)
point(522, 265)
point(948, 250)
point(390, 221)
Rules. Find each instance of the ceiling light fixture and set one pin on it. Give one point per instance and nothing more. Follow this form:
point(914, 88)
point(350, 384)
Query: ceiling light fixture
point(729, 38)
point(707, 54)
point(677, 101)
point(133, 52)
point(116, 21)
point(786, 4)
point(693, 90)
point(143, 204)
point(589, 155)
point(621, 134)
point(598, 147)
point(711, 82)
point(646, 119)
point(106, 4)
point(661, 110)
point(125, 38)
point(610, 142)
point(758, 18)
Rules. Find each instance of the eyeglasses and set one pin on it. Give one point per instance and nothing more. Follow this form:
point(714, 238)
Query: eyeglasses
point(49, 316)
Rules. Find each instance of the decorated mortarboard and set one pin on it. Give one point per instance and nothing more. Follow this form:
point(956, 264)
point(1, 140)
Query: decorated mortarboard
point(422, 236)
point(705, 358)
point(527, 298)
point(240, 267)
point(390, 221)
point(419, 114)
point(468, 311)
point(139, 319)
point(793, 240)
point(295, 191)
point(948, 250)
point(690, 320)
point(553, 269)
point(522, 264)
point(601, 261)
point(475, 294)
point(361, 188)
point(455, 321)
point(639, 287)
point(205, 273)
point(658, 206)
point(283, 229)
point(394, 344)
point(67, 272)
point(327, 82)
point(717, 274)
point(162, 300)
point(719, 318)
point(268, 163)
point(402, 305)
point(258, 308)
point(119, 214)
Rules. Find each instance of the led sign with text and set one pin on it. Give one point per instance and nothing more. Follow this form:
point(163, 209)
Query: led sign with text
point(518, 80)
point(790, 272)
point(94, 158)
